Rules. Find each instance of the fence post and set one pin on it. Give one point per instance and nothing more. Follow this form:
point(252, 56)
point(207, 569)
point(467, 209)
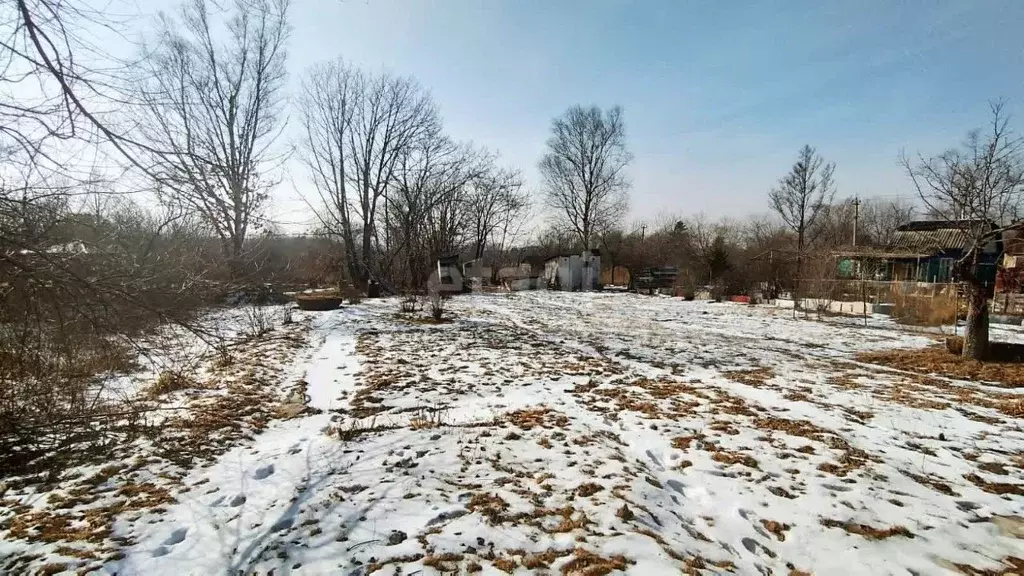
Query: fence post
point(864, 302)
point(956, 309)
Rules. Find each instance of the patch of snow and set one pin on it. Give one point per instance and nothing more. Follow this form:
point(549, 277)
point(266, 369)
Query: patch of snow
point(545, 430)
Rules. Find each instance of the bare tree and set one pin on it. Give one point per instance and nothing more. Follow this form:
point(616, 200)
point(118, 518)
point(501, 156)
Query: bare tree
point(497, 207)
point(834, 225)
point(212, 104)
point(584, 170)
point(358, 129)
point(330, 93)
point(976, 188)
point(429, 203)
point(801, 197)
point(880, 218)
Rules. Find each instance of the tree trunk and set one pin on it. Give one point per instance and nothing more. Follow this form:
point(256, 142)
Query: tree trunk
point(796, 284)
point(976, 330)
point(232, 257)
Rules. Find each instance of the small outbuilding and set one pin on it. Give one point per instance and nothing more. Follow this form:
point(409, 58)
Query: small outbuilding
point(574, 272)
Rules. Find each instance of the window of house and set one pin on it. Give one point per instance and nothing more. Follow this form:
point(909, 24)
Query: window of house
point(945, 273)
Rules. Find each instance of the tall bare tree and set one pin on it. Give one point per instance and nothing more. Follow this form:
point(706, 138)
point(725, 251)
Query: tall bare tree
point(834, 226)
point(584, 170)
point(880, 218)
point(212, 101)
point(328, 101)
point(428, 206)
point(977, 188)
point(497, 207)
point(358, 128)
point(802, 197)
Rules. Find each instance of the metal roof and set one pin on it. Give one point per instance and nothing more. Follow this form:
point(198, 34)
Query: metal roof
point(937, 235)
point(880, 254)
point(930, 240)
point(934, 225)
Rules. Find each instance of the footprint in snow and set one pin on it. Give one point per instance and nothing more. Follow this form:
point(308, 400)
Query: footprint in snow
point(677, 486)
point(655, 460)
point(263, 472)
point(237, 501)
point(755, 547)
point(836, 487)
point(218, 501)
point(160, 551)
point(750, 544)
point(282, 525)
point(176, 537)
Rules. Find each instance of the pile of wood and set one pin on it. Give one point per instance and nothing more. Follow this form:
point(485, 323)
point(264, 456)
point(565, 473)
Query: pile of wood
point(656, 278)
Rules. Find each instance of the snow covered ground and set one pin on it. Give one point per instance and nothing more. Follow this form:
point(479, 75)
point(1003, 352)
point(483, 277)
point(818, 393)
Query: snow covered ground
point(545, 432)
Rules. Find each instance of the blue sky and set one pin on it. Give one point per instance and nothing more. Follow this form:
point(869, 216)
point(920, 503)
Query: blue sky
point(718, 96)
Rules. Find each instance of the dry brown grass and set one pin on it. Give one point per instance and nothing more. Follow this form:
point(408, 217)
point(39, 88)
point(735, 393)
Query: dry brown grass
point(851, 459)
point(447, 562)
point(52, 568)
point(588, 489)
point(993, 468)
point(1011, 566)
point(1013, 407)
point(491, 506)
point(506, 565)
point(802, 428)
point(530, 418)
point(664, 397)
point(543, 559)
point(571, 519)
point(423, 424)
point(924, 310)
point(729, 458)
point(683, 442)
point(935, 484)
point(625, 514)
point(869, 532)
point(171, 381)
point(776, 528)
point(92, 525)
point(1000, 488)
point(375, 566)
point(586, 563)
point(757, 377)
point(939, 361)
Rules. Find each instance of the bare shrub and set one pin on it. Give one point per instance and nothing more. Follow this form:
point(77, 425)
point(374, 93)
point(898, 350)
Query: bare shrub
point(353, 295)
point(923, 309)
point(409, 305)
point(258, 321)
point(437, 305)
point(353, 428)
point(429, 417)
point(820, 284)
point(75, 306)
point(85, 273)
point(172, 381)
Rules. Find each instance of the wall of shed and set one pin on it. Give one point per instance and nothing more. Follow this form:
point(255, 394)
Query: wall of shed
point(573, 273)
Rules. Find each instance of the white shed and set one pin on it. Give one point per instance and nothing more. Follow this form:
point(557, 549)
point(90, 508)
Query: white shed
point(574, 272)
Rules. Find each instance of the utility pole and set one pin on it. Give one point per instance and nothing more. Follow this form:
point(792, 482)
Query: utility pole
point(643, 231)
point(856, 217)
